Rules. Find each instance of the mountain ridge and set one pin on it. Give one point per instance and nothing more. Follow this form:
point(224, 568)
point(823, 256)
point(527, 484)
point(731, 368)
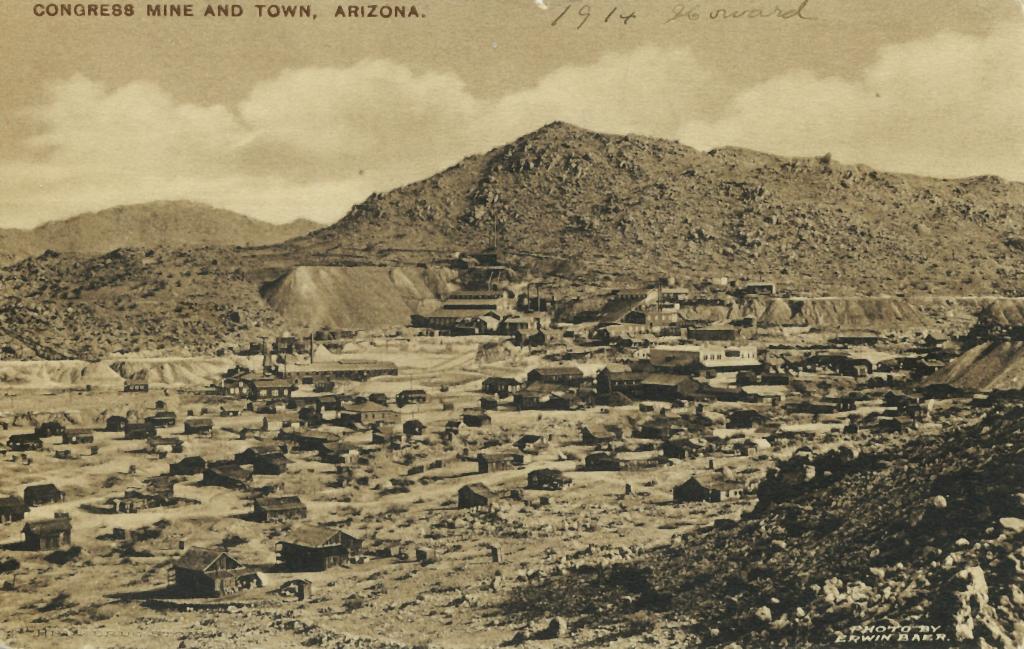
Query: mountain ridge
point(171, 223)
point(600, 204)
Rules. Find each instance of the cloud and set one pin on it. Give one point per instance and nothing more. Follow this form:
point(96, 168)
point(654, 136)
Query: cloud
point(313, 141)
point(950, 105)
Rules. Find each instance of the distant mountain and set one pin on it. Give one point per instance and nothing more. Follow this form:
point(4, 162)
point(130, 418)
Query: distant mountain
point(147, 225)
point(605, 207)
point(584, 210)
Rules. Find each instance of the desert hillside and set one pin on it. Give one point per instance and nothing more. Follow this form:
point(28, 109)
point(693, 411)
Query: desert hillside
point(580, 210)
point(918, 533)
point(584, 204)
point(147, 225)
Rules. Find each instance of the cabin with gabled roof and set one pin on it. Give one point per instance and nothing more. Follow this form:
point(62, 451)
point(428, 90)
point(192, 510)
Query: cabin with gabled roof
point(50, 534)
point(208, 572)
point(315, 548)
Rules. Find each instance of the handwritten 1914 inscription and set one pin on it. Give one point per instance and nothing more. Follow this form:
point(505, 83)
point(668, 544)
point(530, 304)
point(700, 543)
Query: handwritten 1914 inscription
point(579, 15)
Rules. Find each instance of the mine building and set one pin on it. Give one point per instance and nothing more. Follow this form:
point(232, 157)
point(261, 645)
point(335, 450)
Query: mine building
point(136, 386)
point(258, 388)
point(315, 548)
point(317, 372)
point(720, 333)
point(566, 375)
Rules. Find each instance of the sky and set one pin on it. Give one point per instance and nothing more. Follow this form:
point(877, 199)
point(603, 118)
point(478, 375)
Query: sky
point(302, 118)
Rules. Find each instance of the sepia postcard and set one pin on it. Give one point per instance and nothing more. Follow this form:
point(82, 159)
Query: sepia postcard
point(466, 324)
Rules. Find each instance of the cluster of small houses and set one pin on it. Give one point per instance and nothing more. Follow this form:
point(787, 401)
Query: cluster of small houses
point(680, 374)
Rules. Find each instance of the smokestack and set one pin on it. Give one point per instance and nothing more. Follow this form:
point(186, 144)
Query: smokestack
point(311, 348)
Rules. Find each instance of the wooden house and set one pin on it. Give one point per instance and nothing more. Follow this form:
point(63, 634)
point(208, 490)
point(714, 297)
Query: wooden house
point(270, 464)
point(139, 431)
point(42, 494)
point(229, 475)
point(315, 548)
point(501, 386)
point(598, 434)
point(165, 445)
point(407, 397)
point(12, 509)
point(531, 443)
point(476, 495)
point(547, 480)
point(682, 448)
point(50, 429)
point(198, 426)
point(476, 418)
point(493, 462)
point(207, 572)
point(715, 490)
point(49, 534)
point(78, 436)
point(188, 466)
point(278, 508)
point(162, 419)
point(26, 442)
point(413, 428)
point(115, 424)
point(368, 413)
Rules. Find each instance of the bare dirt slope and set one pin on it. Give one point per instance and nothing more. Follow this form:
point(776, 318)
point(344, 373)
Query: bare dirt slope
point(364, 297)
point(997, 365)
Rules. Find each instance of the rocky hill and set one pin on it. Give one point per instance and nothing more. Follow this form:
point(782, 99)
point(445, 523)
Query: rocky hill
point(66, 306)
point(580, 209)
point(585, 204)
point(927, 532)
point(147, 225)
